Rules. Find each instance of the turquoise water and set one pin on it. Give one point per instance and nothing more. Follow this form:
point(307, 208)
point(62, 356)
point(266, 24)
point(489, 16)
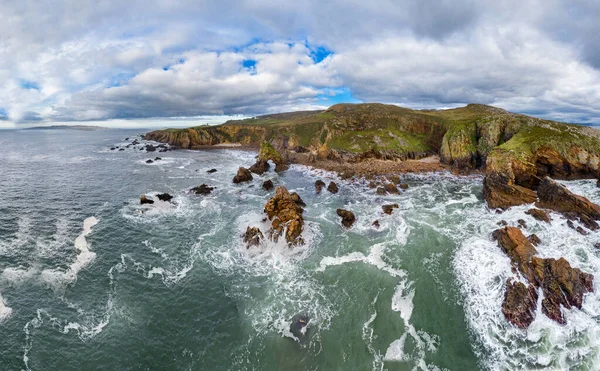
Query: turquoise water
point(92, 280)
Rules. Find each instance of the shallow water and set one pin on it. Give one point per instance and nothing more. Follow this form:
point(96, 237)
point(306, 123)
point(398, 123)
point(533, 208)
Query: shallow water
point(90, 279)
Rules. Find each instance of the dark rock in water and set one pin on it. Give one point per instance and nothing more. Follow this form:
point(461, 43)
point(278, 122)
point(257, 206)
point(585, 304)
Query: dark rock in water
point(538, 214)
point(502, 223)
point(202, 189)
point(112, 148)
point(376, 224)
point(579, 229)
point(141, 148)
point(394, 179)
point(149, 161)
point(211, 171)
point(150, 148)
point(135, 142)
point(260, 167)
point(347, 174)
point(598, 183)
point(522, 223)
point(121, 149)
point(243, 175)
point(319, 185)
point(285, 216)
point(372, 184)
point(388, 209)
point(163, 150)
point(333, 188)
point(146, 200)
point(403, 186)
point(297, 199)
point(520, 303)
point(597, 245)
point(268, 185)
point(299, 325)
point(380, 191)
point(391, 188)
point(561, 285)
point(553, 195)
point(252, 237)
point(158, 159)
point(348, 217)
point(534, 239)
point(126, 139)
point(164, 197)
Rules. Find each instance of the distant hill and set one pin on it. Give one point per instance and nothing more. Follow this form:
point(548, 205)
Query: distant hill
point(67, 127)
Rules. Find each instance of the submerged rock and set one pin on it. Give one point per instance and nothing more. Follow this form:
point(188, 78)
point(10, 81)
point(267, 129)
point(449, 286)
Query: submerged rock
point(380, 191)
point(561, 285)
point(388, 209)
point(348, 217)
point(372, 185)
point(164, 197)
point(253, 236)
point(391, 188)
point(243, 175)
point(285, 216)
point(267, 185)
point(146, 200)
point(149, 161)
point(202, 189)
point(297, 199)
point(522, 223)
point(211, 171)
point(157, 158)
point(150, 148)
point(376, 224)
point(332, 187)
point(299, 325)
point(403, 186)
point(319, 185)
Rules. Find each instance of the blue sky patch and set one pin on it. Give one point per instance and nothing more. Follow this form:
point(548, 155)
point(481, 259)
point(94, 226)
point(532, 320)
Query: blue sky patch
point(319, 53)
point(26, 84)
point(335, 96)
point(249, 63)
point(120, 79)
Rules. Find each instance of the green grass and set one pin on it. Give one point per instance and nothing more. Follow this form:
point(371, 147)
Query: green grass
point(362, 141)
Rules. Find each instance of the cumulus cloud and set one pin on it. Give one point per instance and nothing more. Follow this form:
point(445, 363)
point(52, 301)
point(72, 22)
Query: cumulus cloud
point(87, 60)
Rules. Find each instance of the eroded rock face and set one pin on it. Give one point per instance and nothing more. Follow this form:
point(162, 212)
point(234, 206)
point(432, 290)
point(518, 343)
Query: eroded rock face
point(348, 217)
point(260, 167)
point(253, 236)
point(268, 152)
point(561, 285)
point(555, 196)
point(538, 214)
point(202, 189)
point(285, 215)
point(243, 175)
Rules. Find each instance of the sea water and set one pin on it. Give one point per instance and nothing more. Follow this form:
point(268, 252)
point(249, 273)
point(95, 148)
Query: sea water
point(90, 279)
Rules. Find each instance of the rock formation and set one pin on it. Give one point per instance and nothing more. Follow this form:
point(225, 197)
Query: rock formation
point(388, 209)
point(268, 185)
point(243, 175)
point(319, 185)
point(202, 189)
point(164, 197)
point(348, 217)
point(285, 216)
point(332, 187)
point(253, 237)
point(146, 200)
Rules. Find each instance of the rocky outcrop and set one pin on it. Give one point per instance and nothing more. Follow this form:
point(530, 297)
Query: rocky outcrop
point(319, 185)
point(253, 237)
point(243, 175)
point(332, 187)
point(297, 199)
point(202, 189)
point(541, 215)
point(391, 188)
point(259, 167)
point(146, 200)
point(268, 153)
point(561, 285)
point(348, 217)
point(285, 216)
point(388, 209)
point(268, 185)
point(553, 195)
point(164, 197)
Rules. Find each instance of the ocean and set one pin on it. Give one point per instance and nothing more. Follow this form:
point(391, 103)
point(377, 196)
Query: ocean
point(92, 280)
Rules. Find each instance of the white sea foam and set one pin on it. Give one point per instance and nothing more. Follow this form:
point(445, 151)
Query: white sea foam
point(58, 278)
point(5, 311)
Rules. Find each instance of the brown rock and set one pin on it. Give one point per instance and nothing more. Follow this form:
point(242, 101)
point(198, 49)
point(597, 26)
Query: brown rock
point(372, 184)
point(534, 239)
point(253, 236)
point(391, 188)
point(333, 188)
point(555, 196)
point(145, 200)
point(522, 223)
point(296, 198)
point(403, 186)
point(380, 191)
point(520, 303)
point(267, 185)
point(260, 167)
point(502, 194)
point(394, 179)
point(538, 214)
point(284, 212)
point(348, 217)
point(319, 185)
point(243, 175)
point(376, 224)
point(388, 209)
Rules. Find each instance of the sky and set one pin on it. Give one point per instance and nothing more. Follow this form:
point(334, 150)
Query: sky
point(123, 62)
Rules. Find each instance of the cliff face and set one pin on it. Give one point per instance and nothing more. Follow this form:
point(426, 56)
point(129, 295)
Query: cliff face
point(516, 150)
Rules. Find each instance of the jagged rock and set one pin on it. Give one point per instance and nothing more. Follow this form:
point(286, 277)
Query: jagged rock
point(243, 175)
point(253, 236)
point(164, 197)
point(520, 303)
point(555, 196)
point(501, 193)
point(285, 214)
point(202, 189)
point(597, 245)
point(332, 187)
point(391, 188)
point(146, 200)
point(150, 148)
point(561, 285)
point(348, 217)
point(211, 171)
point(112, 148)
point(268, 185)
point(158, 159)
point(522, 223)
point(534, 239)
point(376, 224)
point(394, 179)
point(502, 223)
point(388, 209)
point(579, 229)
point(297, 199)
point(298, 326)
point(135, 142)
point(380, 191)
point(149, 161)
point(403, 186)
point(372, 185)
point(319, 185)
point(260, 167)
point(538, 214)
